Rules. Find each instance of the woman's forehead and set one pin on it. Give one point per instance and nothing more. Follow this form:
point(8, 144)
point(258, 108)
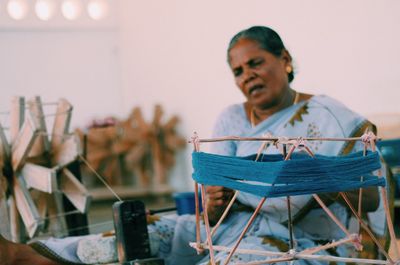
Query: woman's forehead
point(244, 50)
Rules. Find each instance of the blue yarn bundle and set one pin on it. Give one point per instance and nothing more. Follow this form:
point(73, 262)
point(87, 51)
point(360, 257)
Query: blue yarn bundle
point(273, 177)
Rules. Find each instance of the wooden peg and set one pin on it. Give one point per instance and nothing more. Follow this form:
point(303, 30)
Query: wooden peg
point(73, 189)
point(26, 207)
point(158, 112)
point(57, 223)
point(41, 143)
point(3, 187)
point(137, 118)
point(171, 123)
point(41, 202)
point(159, 172)
point(15, 221)
point(5, 148)
point(5, 220)
point(61, 123)
point(17, 115)
point(23, 143)
point(40, 178)
point(68, 151)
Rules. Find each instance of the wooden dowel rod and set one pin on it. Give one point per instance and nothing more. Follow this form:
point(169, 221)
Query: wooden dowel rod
point(207, 225)
point(222, 218)
point(324, 258)
point(331, 215)
point(267, 261)
point(310, 251)
point(289, 208)
point(383, 251)
point(341, 259)
point(263, 146)
point(199, 249)
point(242, 251)
point(390, 223)
point(196, 200)
point(296, 255)
point(260, 204)
point(360, 192)
point(236, 138)
point(387, 211)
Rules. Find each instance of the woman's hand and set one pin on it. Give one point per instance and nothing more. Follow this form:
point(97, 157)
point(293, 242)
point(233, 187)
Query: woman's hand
point(218, 198)
point(370, 198)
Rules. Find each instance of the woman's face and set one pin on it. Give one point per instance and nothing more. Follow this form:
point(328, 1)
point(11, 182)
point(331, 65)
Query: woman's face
point(260, 75)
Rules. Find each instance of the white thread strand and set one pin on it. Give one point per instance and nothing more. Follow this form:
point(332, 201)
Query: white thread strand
point(100, 177)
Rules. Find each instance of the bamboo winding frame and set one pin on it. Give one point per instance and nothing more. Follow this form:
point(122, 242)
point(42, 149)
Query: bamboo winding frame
point(369, 140)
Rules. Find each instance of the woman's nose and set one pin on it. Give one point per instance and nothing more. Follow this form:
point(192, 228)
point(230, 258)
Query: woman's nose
point(248, 75)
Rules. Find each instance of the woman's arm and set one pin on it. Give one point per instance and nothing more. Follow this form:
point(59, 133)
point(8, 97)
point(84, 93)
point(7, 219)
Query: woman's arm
point(15, 254)
point(218, 198)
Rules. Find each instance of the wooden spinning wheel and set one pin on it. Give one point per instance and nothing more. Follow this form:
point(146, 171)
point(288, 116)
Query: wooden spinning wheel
point(35, 176)
point(135, 147)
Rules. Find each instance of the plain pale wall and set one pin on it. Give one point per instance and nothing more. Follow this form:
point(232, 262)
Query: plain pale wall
point(77, 60)
point(78, 66)
point(174, 53)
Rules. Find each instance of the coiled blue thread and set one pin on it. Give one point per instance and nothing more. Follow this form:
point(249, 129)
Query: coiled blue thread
point(274, 177)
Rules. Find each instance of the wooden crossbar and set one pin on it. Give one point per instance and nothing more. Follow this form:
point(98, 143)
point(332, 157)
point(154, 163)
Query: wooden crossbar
point(75, 191)
point(41, 144)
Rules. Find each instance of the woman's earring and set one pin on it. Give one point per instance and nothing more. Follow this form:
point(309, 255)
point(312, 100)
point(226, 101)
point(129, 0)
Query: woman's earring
point(289, 69)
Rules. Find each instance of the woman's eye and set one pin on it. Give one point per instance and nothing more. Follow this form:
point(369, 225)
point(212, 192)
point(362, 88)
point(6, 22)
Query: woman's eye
point(255, 63)
point(237, 72)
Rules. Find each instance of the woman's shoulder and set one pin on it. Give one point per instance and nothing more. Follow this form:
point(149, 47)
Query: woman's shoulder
point(231, 121)
point(332, 106)
point(233, 109)
point(326, 101)
point(332, 113)
point(233, 112)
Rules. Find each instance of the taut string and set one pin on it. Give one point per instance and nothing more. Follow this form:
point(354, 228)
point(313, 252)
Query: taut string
point(100, 177)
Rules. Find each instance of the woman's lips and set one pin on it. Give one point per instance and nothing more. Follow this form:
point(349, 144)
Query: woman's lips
point(256, 89)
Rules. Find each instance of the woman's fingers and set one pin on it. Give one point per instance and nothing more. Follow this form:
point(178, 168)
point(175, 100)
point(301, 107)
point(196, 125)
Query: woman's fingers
point(218, 196)
point(216, 192)
point(213, 189)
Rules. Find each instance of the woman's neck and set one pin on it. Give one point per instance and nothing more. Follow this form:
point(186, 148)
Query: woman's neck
point(257, 115)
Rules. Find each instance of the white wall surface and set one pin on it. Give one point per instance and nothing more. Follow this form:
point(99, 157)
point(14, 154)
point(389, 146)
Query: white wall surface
point(173, 52)
point(77, 60)
point(79, 66)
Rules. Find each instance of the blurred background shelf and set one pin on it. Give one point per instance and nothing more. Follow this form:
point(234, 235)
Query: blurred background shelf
point(129, 192)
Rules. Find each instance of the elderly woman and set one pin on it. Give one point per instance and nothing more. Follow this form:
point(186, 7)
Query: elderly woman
point(263, 69)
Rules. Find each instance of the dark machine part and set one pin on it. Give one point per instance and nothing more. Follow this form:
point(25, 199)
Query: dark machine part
point(150, 261)
point(79, 220)
point(133, 242)
point(131, 230)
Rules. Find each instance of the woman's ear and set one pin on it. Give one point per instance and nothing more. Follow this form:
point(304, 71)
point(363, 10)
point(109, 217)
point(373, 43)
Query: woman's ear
point(286, 57)
point(287, 64)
